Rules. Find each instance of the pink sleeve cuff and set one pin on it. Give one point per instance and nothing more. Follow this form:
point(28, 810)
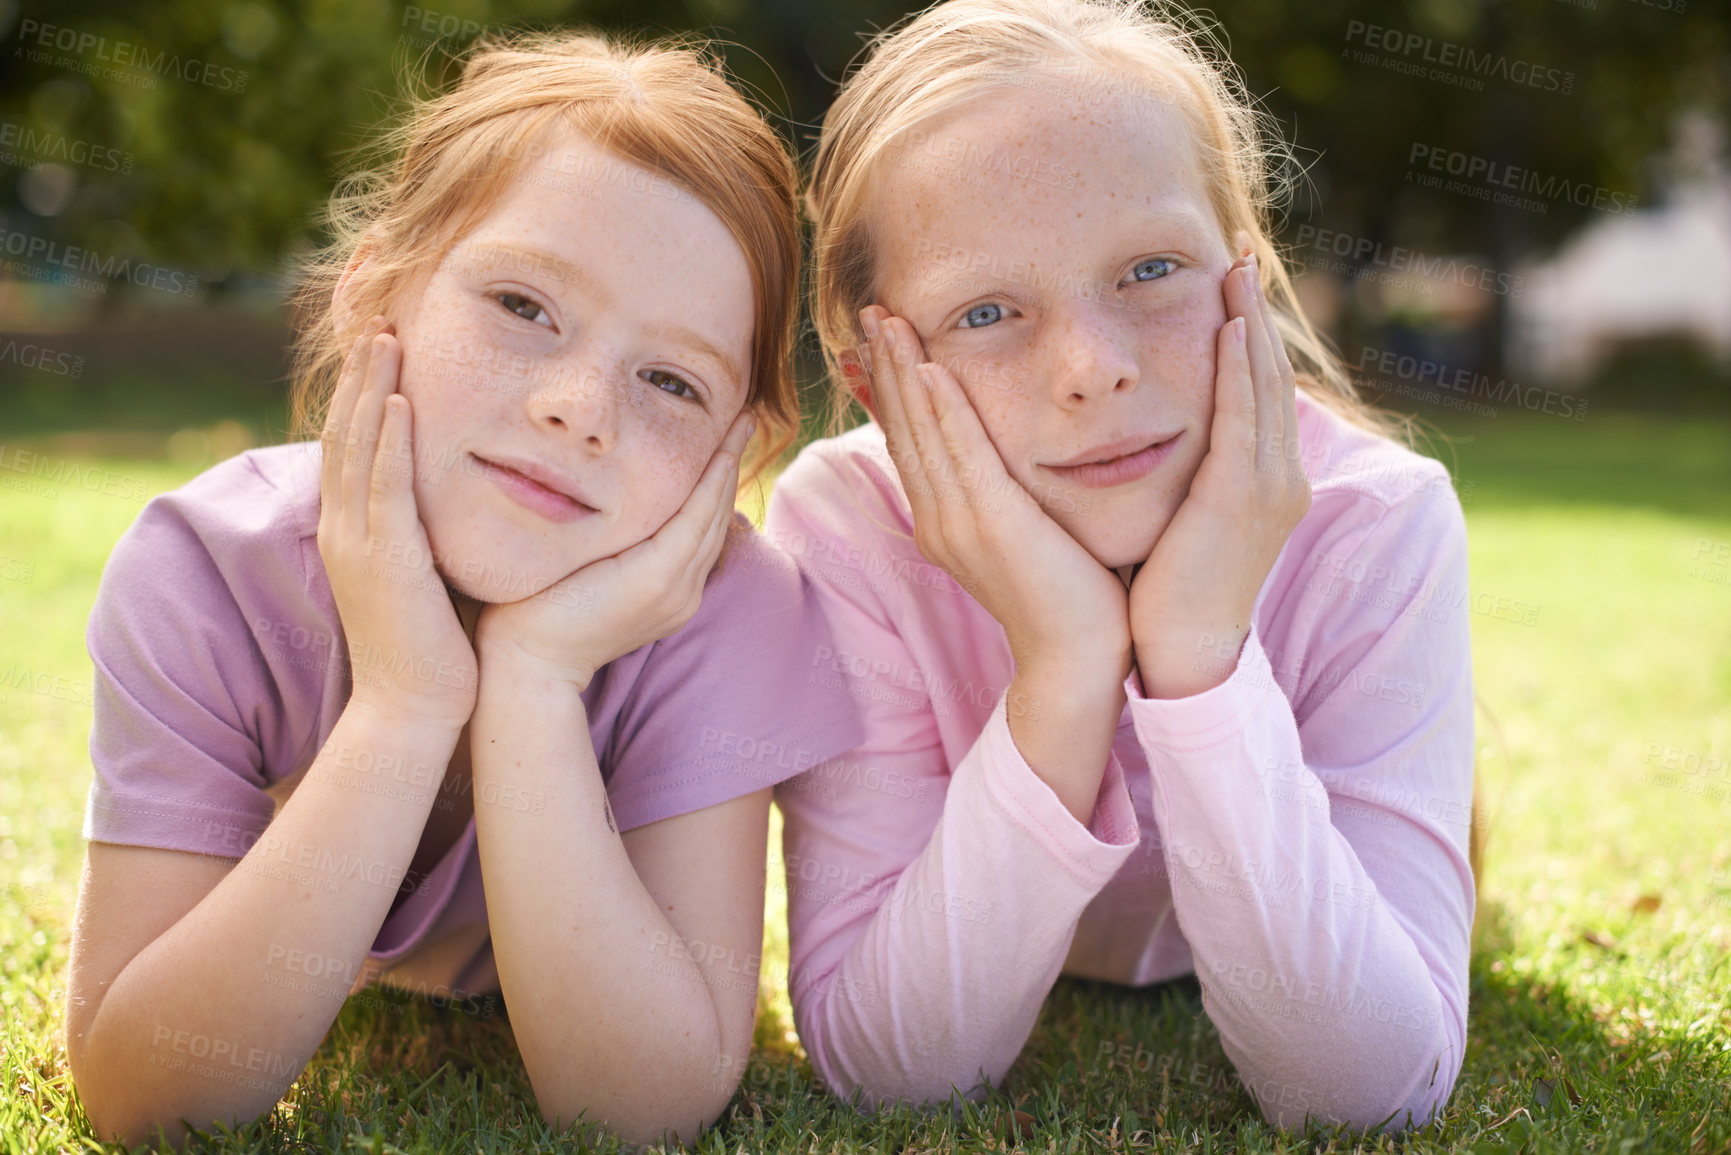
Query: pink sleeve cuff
point(1093, 853)
point(1203, 717)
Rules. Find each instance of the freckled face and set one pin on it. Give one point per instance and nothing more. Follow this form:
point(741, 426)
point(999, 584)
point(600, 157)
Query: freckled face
point(572, 365)
point(1061, 258)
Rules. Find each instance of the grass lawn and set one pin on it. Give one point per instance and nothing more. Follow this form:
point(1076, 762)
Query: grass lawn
point(1600, 1014)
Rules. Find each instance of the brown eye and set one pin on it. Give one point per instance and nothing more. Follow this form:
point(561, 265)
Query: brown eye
point(667, 382)
point(525, 307)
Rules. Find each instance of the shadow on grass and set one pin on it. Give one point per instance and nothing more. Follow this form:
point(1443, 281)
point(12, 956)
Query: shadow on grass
point(1543, 1071)
point(1542, 1060)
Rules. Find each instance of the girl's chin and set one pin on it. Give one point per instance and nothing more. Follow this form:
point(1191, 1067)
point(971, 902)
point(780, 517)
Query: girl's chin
point(495, 581)
point(497, 562)
point(1116, 550)
point(1122, 531)
point(1118, 560)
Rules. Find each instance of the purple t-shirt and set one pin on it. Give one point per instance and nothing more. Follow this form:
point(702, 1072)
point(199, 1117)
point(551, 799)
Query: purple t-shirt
point(221, 669)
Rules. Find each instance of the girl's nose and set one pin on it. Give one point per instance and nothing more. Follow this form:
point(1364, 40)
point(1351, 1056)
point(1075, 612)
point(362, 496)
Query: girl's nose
point(1093, 354)
point(579, 404)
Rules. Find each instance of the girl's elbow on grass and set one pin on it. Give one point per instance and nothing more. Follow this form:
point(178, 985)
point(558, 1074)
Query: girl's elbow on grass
point(132, 1123)
point(121, 1105)
point(672, 1123)
point(1362, 1110)
point(673, 1108)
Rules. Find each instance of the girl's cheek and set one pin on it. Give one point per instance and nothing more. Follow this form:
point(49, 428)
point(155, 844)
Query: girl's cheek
point(990, 382)
point(671, 452)
point(1186, 342)
point(427, 375)
point(1005, 396)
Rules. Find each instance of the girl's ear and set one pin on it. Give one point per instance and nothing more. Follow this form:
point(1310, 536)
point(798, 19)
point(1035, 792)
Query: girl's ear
point(857, 381)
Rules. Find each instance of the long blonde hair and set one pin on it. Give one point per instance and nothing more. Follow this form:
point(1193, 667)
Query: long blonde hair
point(664, 106)
point(952, 52)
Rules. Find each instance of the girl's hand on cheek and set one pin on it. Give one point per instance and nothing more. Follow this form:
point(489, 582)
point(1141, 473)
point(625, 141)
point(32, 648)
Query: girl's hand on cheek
point(1190, 604)
point(1064, 613)
point(613, 606)
point(407, 650)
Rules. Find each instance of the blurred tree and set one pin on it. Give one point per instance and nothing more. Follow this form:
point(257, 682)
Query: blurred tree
point(205, 134)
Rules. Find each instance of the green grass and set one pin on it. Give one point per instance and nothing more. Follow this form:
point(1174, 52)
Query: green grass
point(1600, 1015)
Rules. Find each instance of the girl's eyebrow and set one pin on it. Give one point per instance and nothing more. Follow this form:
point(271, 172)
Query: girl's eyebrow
point(519, 259)
point(526, 260)
point(698, 343)
point(948, 265)
point(1180, 219)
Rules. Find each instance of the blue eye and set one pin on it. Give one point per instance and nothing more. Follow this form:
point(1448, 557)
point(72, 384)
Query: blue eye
point(668, 383)
point(1153, 269)
point(982, 315)
point(525, 307)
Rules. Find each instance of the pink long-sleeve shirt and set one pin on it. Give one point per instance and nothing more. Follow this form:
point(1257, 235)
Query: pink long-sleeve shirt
point(1296, 836)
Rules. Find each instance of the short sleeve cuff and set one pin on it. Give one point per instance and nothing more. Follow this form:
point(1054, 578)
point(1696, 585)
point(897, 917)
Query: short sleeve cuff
point(173, 823)
point(1092, 853)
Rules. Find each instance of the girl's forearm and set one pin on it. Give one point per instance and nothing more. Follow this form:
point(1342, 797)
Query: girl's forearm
point(1306, 941)
point(941, 986)
point(216, 1017)
point(637, 1045)
point(1063, 717)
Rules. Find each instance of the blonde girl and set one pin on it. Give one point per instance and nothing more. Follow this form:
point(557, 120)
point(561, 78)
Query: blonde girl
point(1190, 689)
point(442, 699)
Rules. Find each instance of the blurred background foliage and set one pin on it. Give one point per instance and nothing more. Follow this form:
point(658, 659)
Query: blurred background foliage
point(211, 132)
point(223, 181)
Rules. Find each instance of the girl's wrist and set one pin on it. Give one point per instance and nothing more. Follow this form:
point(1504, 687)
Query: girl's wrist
point(507, 663)
point(380, 739)
point(1080, 674)
point(407, 714)
point(1062, 723)
point(1182, 662)
point(1086, 655)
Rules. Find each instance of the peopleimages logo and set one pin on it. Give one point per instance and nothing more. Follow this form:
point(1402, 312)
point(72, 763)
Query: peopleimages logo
point(44, 259)
point(1468, 383)
point(36, 39)
point(20, 144)
point(1452, 63)
point(1365, 252)
point(1486, 179)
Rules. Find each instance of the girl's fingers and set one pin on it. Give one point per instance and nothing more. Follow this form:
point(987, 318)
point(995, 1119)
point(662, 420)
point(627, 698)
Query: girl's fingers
point(709, 549)
point(1234, 396)
point(1264, 374)
point(342, 404)
point(1286, 381)
point(739, 435)
point(391, 496)
point(361, 448)
point(888, 396)
point(937, 465)
point(1282, 363)
point(1290, 448)
point(686, 529)
point(336, 432)
point(962, 434)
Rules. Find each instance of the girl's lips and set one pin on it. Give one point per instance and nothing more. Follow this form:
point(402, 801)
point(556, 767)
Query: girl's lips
point(532, 495)
point(1119, 470)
